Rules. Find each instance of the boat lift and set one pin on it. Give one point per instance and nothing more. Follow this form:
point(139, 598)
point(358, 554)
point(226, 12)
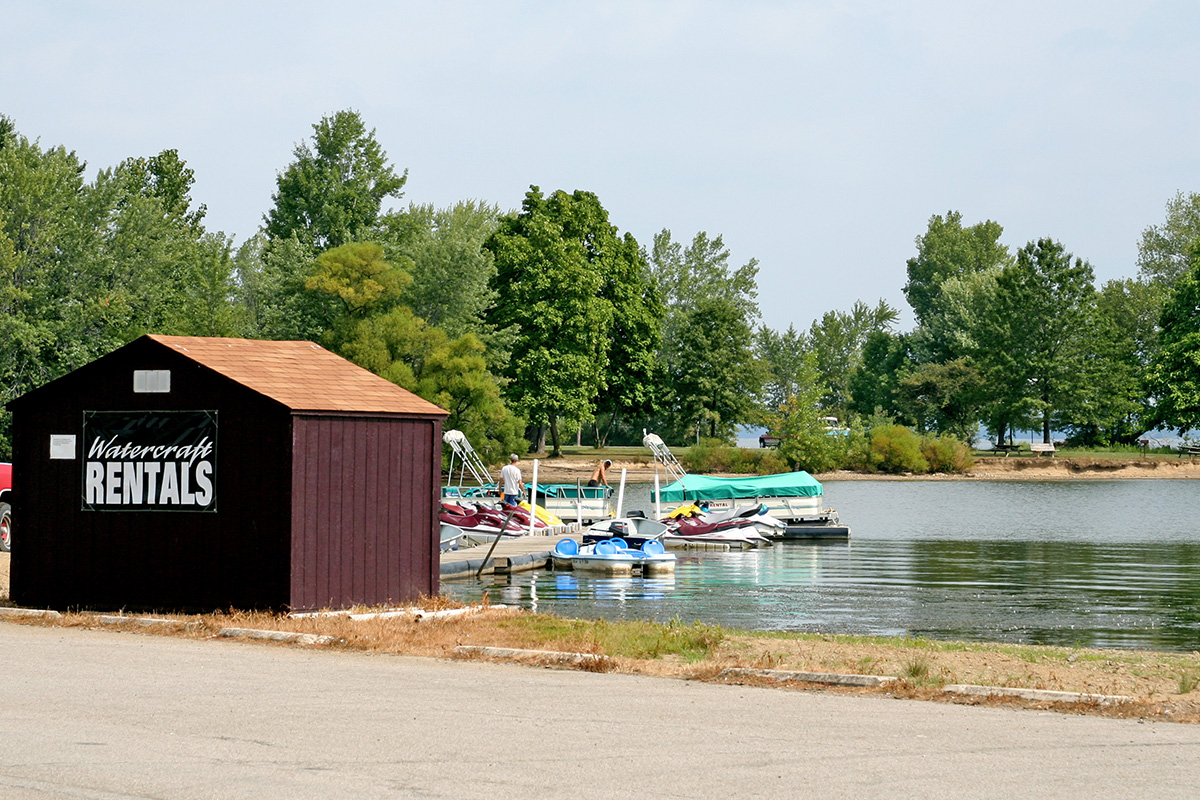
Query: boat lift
point(468, 461)
point(663, 455)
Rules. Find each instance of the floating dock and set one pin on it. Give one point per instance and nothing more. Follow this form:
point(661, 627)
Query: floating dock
point(512, 554)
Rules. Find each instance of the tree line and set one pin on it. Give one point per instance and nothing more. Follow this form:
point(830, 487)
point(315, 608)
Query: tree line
point(546, 323)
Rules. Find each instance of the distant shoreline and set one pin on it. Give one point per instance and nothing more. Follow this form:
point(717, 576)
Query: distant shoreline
point(571, 469)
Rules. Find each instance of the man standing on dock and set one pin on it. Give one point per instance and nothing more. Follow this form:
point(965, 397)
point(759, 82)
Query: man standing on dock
point(510, 474)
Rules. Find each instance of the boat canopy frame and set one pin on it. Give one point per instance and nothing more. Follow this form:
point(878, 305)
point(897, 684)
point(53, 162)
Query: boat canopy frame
point(468, 461)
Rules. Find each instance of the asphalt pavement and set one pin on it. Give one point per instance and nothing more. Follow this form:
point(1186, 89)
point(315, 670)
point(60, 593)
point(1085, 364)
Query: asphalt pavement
point(111, 716)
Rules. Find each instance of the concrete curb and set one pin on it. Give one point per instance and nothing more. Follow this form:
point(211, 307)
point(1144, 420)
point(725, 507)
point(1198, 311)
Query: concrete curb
point(831, 678)
point(29, 612)
point(144, 622)
point(1046, 695)
point(416, 613)
point(537, 656)
point(277, 636)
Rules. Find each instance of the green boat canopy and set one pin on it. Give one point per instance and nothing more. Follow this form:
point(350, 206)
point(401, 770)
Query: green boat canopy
point(706, 487)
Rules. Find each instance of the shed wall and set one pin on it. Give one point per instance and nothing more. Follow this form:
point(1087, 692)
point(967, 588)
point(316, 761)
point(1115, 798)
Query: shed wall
point(65, 556)
point(364, 510)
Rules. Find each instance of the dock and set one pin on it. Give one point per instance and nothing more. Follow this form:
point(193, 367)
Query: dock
point(512, 554)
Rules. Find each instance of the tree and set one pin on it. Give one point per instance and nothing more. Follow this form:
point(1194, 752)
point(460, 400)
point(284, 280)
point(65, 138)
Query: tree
point(875, 383)
point(211, 307)
point(719, 391)
point(702, 271)
point(949, 250)
point(550, 259)
point(804, 438)
point(946, 396)
point(707, 336)
point(783, 358)
point(41, 246)
point(1122, 342)
point(635, 376)
point(86, 267)
point(335, 188)
point(1032, 343)
point(271, 277)
point(1164, 251)
point(451, 270)
point(837, 340)
point(359, 277)
point(455, 376)
point(1173, 377)
point(168, 178)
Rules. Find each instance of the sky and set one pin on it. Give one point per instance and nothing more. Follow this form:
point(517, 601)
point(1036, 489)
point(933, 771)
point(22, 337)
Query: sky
point(815, 137)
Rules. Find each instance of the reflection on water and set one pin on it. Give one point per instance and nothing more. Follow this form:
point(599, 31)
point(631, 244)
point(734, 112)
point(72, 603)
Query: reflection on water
point(1097, 564)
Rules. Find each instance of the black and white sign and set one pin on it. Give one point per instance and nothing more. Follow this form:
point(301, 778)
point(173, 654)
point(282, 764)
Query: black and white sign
point(149, 460)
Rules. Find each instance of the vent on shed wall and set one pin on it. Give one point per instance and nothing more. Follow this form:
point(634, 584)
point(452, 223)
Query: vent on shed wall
point(151, 381)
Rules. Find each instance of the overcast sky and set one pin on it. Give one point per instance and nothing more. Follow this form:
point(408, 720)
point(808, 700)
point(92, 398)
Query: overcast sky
point(817, 137)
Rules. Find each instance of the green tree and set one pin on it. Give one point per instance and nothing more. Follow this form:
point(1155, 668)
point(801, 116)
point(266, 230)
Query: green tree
point(837, 340)
point(89, 266)
point(949, 250)
point(945, 396)
point(1173, 377)
point(875, 383)
point(782, 356)
point(168, 178)
point(456, 377)
point(1122, 341)
point(712, 375)
point(635, 375)
point(1164, 251)
point(334, 189)
point(550, 259)
point(271, 282)
point(211, 307)
point(451, 270)
point(1032, 344)
point(804, 439)
point(718, 392)
point(359, 277)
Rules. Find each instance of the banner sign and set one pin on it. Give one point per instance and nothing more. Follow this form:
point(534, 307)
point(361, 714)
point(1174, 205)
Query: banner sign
point(149, 460)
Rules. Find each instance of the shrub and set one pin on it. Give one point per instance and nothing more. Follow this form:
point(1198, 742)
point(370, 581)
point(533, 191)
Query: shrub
point(896, 449)
point(946, 454)
point(713, 455)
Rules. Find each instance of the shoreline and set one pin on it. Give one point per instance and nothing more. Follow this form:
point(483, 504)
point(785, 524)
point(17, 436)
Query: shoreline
point(570, 469)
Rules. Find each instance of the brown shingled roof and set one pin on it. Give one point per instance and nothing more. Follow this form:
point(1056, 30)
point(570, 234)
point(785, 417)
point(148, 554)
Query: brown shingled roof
point(301, 375)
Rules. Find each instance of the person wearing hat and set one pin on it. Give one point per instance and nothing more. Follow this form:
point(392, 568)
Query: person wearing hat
point(510, 475)
point(599, 477)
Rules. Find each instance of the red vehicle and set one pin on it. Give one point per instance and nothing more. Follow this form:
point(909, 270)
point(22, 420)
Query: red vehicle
point(5, 507)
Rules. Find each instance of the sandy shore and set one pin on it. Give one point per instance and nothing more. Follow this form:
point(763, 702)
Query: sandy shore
point(1022, 468)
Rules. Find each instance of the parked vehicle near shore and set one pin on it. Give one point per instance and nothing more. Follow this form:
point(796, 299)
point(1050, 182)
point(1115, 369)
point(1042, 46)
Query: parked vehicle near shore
point(5, 507)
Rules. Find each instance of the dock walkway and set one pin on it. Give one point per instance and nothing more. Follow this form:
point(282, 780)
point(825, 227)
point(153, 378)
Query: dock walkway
point(512, 554)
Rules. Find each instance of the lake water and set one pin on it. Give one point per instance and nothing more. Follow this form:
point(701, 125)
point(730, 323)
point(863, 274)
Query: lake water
point(1076, 563)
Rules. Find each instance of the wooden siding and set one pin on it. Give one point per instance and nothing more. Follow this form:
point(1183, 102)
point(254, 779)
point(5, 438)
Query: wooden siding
point(364, 510)
point(68, 557)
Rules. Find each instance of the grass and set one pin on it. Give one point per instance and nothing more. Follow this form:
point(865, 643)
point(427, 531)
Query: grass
point(917, 671)
point(625, 639)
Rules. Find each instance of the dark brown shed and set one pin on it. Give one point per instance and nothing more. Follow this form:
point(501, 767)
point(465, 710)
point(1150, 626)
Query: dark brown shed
point(202, 473)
